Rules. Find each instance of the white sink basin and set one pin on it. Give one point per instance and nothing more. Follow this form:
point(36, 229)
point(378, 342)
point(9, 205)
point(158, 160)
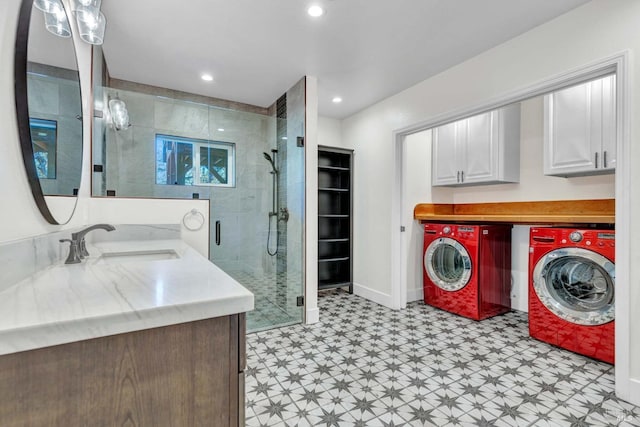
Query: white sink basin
point(131, 256)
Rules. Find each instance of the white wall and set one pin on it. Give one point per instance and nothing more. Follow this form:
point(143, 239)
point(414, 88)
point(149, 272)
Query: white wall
point(417, 189)
point(597, 30)
point(329, 132)
point(150, 211)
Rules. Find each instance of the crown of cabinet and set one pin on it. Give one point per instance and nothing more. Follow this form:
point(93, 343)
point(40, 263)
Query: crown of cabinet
point(482, 149)
point(580, 129)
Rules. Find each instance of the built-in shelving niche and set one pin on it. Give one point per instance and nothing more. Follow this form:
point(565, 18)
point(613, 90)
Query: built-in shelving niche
point(335, 246)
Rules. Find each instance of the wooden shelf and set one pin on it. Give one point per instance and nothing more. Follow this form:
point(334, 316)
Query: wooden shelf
point(324, 286)
point(540, 212)
point(334, 168)
point(345, 190)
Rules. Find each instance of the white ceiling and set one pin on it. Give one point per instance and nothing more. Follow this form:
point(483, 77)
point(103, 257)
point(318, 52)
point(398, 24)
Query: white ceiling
point(361, 50)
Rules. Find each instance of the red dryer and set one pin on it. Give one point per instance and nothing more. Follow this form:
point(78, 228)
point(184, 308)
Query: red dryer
point(571, 289)
point(467, 269)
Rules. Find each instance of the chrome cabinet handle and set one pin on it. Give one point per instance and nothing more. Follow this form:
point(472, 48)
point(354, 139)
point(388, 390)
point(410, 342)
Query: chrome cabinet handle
point(462, 176)
point(218, 233)
point(596, 161)
point(458, 178)
point(604, 159)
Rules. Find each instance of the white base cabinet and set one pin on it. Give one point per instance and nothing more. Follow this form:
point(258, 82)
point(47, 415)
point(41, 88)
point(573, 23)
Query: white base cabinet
point(580, 129)
point(483, 149)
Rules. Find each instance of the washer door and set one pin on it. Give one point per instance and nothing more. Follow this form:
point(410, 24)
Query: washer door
point(447, 264)
point(576, 285)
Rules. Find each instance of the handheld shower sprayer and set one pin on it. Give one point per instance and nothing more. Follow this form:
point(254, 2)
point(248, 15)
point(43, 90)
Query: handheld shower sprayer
point(270, 160)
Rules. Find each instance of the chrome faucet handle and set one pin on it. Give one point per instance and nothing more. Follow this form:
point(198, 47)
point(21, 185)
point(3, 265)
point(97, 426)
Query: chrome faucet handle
point(74, 257)
point(82, 248)
point(78, 237)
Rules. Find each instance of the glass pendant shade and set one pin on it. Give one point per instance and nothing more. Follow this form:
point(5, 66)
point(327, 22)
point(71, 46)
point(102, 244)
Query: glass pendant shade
point(57, 23)
point(90, 3)
point(119, 113)
point(48, 6)
point(91, 24)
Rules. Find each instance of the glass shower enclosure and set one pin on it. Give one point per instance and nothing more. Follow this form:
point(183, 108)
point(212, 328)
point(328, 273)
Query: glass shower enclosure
point(247, 160)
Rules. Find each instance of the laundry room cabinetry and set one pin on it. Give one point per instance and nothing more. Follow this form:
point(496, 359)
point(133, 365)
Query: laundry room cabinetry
point(335, 206)
point(580, 129)
point(482, 149)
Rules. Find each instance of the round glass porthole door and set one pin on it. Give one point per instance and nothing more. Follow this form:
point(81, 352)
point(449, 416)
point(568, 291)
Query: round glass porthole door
point(447, 264)
point(577, 285)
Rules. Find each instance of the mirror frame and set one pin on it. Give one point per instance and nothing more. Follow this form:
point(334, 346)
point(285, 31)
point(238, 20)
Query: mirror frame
point(22, 113)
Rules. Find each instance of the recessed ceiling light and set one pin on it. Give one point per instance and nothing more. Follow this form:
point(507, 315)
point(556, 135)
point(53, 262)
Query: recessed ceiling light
point(315, 11)
point(207, 77)
point(220, 129)
point(336, 100)
point(284, 138)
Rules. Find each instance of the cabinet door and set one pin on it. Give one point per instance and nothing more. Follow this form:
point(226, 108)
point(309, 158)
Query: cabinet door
point(444, 162)
point(609, 125)
point(569, 144)
point(481, 148)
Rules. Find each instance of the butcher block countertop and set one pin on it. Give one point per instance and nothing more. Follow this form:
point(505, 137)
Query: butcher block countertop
point(600, 211)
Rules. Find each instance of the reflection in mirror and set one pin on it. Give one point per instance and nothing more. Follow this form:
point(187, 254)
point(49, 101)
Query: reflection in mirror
point(49, 109)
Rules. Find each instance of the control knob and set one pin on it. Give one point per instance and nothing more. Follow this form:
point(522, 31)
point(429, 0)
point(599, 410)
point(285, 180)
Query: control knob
point(575, 237)
point(446, 230)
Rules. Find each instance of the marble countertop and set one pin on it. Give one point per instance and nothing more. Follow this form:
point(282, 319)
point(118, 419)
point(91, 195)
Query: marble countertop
point(74, 302)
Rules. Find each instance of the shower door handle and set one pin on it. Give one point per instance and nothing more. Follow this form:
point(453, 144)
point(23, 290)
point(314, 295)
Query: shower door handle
point(218, 233)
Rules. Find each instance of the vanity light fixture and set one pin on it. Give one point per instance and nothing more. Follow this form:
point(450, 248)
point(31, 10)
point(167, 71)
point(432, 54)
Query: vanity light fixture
point(315, 11)
point(57, 23)
point(48, 6)
point(207, 77)
point(91, 22)
point(336, 100)
point(119, 113)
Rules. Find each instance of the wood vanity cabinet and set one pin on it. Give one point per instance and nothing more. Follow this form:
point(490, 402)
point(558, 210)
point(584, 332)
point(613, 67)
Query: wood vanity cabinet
point(580, 129)
point(190, 374)
point(482, 149)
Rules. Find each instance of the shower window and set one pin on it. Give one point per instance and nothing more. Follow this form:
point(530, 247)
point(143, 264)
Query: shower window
point(44, 135)
point(188, 161)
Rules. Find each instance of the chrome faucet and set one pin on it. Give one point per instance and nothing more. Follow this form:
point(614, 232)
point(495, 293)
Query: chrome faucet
point(78, 247)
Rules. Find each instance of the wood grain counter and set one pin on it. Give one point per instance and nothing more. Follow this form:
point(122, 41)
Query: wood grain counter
point(600, 211)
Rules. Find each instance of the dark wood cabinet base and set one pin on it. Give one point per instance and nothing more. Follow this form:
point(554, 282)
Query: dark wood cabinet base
point(179, 375)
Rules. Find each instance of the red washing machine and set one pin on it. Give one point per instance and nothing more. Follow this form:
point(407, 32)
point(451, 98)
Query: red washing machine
point(571, 289)
point(467, 269)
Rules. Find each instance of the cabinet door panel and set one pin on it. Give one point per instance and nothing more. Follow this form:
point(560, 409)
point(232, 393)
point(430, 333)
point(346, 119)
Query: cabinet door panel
point(444, 152)
point(609, 126)
point(481, 154)
point(568, 129)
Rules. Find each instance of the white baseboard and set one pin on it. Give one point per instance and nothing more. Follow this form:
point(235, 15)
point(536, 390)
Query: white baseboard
point(416, 294)
point(312, 316)
point(630, 393)
point(372, 295)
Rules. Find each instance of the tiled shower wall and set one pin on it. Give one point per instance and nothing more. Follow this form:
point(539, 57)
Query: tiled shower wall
point(242, 211)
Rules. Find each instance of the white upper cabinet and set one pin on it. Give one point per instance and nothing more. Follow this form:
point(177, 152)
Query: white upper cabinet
point(483, 149)
point(580, 129)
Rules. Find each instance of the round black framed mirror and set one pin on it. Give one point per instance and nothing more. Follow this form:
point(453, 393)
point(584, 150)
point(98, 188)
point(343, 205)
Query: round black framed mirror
point(49, 107)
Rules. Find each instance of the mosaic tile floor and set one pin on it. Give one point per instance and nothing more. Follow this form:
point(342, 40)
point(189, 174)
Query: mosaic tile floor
point(275, 305)
point(366, 365)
